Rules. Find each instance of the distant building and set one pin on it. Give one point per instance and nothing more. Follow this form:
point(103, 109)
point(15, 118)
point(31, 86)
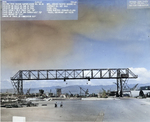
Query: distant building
point(58, 91)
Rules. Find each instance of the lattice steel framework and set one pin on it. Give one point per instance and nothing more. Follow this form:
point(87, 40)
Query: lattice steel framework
point(121, 74)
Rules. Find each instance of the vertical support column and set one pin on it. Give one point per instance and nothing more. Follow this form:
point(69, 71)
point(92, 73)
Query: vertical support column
point(65, 73)
point(29, 74)
point(118, 79)
point(18, 86)
point(74, 73)
point(21, 87)
point(121, 91)
point(119, 83)
point(91, 73)
point(47, 74)
point(100, 73)
point(82, 73)
point(117, 93)
point(109, 73)
point(38, 74)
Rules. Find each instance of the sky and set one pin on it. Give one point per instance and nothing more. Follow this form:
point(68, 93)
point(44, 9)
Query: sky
point(106, 35)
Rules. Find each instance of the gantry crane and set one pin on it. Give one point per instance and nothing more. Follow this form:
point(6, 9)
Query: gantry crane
point(28, 92)
point(120, 74)
point(86, 92)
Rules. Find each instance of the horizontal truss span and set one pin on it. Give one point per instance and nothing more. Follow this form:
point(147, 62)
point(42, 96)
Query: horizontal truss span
point(64, 74)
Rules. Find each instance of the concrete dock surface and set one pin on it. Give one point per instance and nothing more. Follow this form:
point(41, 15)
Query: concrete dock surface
point(114, 110)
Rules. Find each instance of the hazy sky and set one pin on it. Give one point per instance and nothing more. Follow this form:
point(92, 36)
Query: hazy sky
point(106, 35)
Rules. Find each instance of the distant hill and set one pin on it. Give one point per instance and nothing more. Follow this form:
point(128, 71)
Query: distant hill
point(75, 88)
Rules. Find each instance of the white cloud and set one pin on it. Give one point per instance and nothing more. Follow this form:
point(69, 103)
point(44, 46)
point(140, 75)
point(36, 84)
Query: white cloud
point(143, 74)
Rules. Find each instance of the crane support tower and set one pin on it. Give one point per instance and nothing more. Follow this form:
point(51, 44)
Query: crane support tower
point(120, 74)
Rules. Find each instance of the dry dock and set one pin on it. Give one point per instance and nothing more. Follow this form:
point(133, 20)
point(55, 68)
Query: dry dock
point(123, 110)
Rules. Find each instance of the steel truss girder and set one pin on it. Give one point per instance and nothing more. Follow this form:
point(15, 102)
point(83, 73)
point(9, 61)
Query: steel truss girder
point(73, 74)
point(64, 74)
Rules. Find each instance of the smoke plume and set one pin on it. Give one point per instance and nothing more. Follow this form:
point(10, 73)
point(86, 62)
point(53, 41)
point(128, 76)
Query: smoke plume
point(34, 42)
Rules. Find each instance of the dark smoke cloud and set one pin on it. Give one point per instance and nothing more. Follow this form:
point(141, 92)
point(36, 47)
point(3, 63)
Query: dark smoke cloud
point(30, 42)
point(33, 42)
